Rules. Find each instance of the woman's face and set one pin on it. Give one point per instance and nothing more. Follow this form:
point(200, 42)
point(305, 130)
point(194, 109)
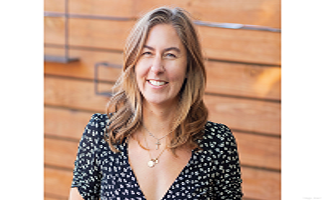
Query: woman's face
point(161, 68)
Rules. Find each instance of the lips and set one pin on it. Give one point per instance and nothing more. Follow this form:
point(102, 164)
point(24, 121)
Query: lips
point(157, 83)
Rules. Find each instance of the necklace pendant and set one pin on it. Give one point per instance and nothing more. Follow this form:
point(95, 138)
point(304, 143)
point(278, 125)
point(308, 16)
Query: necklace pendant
point(152, 163)
point(157, 145)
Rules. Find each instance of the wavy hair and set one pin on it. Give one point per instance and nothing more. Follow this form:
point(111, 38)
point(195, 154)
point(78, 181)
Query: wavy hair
point(126, 104)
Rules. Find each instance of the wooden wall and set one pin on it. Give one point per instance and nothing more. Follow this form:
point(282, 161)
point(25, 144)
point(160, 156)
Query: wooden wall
point(243, 91)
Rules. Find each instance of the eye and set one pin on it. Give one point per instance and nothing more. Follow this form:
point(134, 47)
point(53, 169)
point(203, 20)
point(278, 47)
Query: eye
point(147, 53)
point(170, 55)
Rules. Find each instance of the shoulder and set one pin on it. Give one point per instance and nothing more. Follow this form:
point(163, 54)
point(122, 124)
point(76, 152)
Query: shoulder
point(96, 125)
point(217, 136)
point(217, 131)
point(98, 118)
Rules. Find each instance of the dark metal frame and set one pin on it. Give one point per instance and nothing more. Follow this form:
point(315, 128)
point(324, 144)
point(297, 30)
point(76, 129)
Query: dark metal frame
point(96, 79)
point(65, 58)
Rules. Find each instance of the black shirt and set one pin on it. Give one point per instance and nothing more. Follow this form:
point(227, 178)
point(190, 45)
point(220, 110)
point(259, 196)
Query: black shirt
point(211, 173)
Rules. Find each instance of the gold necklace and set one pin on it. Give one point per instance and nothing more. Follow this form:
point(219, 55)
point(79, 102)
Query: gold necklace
point(158, 139)
point(153, 161)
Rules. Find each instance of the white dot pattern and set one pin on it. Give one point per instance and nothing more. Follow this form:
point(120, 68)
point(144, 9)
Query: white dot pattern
point(212, 173)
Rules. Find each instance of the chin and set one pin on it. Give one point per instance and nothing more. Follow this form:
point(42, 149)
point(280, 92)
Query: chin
point(161, 101)
point(156, 101)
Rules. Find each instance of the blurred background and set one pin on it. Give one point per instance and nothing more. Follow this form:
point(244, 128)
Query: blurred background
point(241, 39)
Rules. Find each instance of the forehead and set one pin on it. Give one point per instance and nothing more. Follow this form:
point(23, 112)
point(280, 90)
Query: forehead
point(163, 36)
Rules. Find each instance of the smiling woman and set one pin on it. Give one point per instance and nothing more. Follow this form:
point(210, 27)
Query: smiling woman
point(155, 141)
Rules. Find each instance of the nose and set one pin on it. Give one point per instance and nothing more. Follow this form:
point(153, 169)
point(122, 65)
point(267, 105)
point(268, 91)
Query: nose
point(157, 65)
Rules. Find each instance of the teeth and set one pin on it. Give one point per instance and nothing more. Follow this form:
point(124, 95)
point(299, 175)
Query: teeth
point(157, 83)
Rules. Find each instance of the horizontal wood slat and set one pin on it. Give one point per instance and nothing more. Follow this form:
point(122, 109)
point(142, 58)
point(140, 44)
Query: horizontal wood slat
point(54, 30)
point(99, 33)
point(124, 8)
point(56, 52)
point(84, 68)
point(65, 122)
point(264, 153)
point(222, 78)
point(262, 12)
point(49, 197)
point(241, 45)
point(60, 153)
point(244, 80)
point(261, 184)
point(259, 151)
point(75, 94)
point(57, 182)
point(224, 44)
point(54, 6)
point(242, 114)
point(257, 184)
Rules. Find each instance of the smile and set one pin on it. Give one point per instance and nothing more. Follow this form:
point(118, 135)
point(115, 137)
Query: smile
point(157, 83)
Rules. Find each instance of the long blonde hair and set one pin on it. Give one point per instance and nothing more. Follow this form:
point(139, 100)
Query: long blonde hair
point(126, 104)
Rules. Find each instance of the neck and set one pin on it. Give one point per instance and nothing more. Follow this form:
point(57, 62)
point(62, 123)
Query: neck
point(158, 120)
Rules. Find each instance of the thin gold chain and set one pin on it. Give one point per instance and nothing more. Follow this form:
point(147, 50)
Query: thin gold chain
point(158, 139)
point(151, 159)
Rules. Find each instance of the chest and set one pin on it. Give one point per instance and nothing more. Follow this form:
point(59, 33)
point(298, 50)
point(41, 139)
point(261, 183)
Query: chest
point(156, 178)
point(126, 175)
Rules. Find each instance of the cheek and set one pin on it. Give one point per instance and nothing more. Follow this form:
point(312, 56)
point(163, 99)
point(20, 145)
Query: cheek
point(180, 74)
point(140, 73)
point(140, 68)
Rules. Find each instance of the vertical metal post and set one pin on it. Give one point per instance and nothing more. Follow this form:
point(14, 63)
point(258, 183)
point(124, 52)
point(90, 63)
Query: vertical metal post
point(66, 30)
point(65, 58)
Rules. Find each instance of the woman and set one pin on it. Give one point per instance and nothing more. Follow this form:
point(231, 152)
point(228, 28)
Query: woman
point(155, 142)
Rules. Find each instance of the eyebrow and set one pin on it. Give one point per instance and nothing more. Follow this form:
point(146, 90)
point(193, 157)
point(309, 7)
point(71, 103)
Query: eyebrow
point(167, 49)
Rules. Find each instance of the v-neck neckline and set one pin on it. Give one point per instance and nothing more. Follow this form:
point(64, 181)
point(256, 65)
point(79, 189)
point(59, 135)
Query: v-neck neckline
point(126, 159)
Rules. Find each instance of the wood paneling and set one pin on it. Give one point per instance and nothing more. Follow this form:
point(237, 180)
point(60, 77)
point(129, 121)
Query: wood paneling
point(258, 150)
point(223, 78)
point(118, 8)
point(253, 81)
point(241, 45)
point(54, 30)
point(99, 33)
point(60, 152)
point(54, 5)
point(84, 68)
point(75, 94)
point(263, 12)
point(224, 44)
point(65, 122)
point(57, 182)
point(55, 52)
point(243, 114)
point(54, 198)
point(261, 184)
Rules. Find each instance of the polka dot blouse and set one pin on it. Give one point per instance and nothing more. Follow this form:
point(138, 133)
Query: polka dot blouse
point(211, 173)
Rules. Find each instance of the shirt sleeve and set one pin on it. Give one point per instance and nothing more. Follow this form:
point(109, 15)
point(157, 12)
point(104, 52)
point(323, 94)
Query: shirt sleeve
point(229, 171)
point(86, 173)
